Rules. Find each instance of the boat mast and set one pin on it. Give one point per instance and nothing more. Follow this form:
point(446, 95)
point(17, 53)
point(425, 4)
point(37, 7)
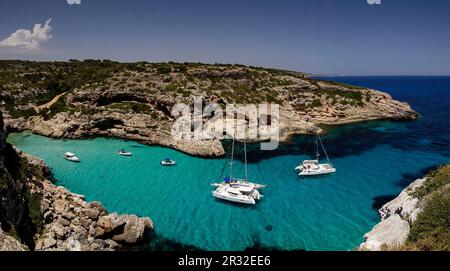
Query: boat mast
point(317, 147)
point(231, 162)
point(245, 156)
point(326, 154)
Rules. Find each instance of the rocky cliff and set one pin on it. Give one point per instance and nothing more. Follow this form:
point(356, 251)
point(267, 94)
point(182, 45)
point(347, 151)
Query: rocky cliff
point(134, 100)
point(418, 219)
point(37, 215)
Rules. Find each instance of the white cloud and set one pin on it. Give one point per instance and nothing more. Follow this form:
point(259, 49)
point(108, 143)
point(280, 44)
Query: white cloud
point(27, 39)
point(72, 2)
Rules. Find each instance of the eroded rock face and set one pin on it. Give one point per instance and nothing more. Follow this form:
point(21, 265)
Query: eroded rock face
point(397, 217)
point(391, 232)
point(73, 224)
point(406, 206)
point(8, 243)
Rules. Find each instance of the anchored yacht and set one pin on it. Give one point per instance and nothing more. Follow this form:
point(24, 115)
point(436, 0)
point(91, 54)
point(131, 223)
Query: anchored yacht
point(124, 153)
point(314, 167)
point(240, 184)
point(238, 190)
point(228, 193)
point(71, 157)
point(168, 162)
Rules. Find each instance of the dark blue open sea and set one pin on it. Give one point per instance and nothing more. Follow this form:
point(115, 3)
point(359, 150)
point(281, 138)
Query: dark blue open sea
point(374, 161)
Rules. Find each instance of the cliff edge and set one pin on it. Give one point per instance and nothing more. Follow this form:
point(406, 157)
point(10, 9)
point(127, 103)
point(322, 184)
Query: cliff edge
point(418, 219)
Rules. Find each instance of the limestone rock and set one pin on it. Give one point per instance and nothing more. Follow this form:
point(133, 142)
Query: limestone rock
point(404, 205)
point(390, 232)
point(8, 243)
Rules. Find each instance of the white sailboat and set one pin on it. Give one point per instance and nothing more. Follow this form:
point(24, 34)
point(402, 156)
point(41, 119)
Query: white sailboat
point(238, 190)
point(314, 167)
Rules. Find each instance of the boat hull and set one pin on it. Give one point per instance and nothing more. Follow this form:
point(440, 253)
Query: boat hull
point(318, 172)
point(249, 201)
point(73, 160)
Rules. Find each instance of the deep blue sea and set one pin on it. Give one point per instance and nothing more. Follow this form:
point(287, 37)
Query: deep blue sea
point(374, 160)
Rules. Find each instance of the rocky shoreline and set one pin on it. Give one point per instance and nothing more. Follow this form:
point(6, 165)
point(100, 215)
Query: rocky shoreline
point(397, 216)
point(133, 127)
point(69, 223)
point(37, 215)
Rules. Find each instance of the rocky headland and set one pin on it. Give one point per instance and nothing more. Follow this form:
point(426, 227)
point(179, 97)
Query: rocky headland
point(418, 219)
point(81, 99)
point(37, 215)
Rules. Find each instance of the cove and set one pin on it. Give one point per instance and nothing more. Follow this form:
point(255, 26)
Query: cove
point(374, 161)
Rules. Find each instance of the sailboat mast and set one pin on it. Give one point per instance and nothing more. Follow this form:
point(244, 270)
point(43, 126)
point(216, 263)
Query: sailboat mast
point(231, 162)
point(325, 151)
point(245, 158)
point(317, 146)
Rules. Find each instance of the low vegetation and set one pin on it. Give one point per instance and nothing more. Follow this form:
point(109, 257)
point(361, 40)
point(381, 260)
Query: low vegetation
point(27, 84)
point(431, 230)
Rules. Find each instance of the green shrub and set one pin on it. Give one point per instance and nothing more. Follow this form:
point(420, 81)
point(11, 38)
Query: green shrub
point(164, 69)
point(431, 230)
point(316, 103)
point(436, 179)
point(172, 87)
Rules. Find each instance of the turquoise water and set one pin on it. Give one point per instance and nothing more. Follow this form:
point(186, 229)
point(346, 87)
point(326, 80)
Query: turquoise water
point(374, 161)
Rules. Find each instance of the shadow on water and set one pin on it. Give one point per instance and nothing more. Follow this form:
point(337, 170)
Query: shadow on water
point(407, 179)
point(155, 242)
point(380, 201)
point(340, 141)
point(354, 139)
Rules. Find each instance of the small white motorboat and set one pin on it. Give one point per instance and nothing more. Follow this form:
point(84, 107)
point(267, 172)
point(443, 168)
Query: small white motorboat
point(168, 162)
point(124, 153)
point(228, 193)
point(71, 157)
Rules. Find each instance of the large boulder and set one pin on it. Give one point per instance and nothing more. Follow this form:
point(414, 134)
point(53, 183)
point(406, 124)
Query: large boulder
point(127, 229)
point(134, 230)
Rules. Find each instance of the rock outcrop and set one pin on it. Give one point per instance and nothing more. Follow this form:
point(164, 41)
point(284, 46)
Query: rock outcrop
point(72, 224)
point(8, 243)
point(397, 216)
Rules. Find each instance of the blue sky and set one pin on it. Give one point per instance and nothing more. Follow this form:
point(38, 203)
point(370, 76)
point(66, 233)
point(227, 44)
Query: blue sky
point(408, 37)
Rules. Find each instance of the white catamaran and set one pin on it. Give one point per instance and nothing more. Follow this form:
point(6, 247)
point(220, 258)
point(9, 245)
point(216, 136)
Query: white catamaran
point(238, 190)
point(313, 167)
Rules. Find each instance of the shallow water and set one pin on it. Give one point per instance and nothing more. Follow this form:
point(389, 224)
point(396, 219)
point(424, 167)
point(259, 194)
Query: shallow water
point(375, 161)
